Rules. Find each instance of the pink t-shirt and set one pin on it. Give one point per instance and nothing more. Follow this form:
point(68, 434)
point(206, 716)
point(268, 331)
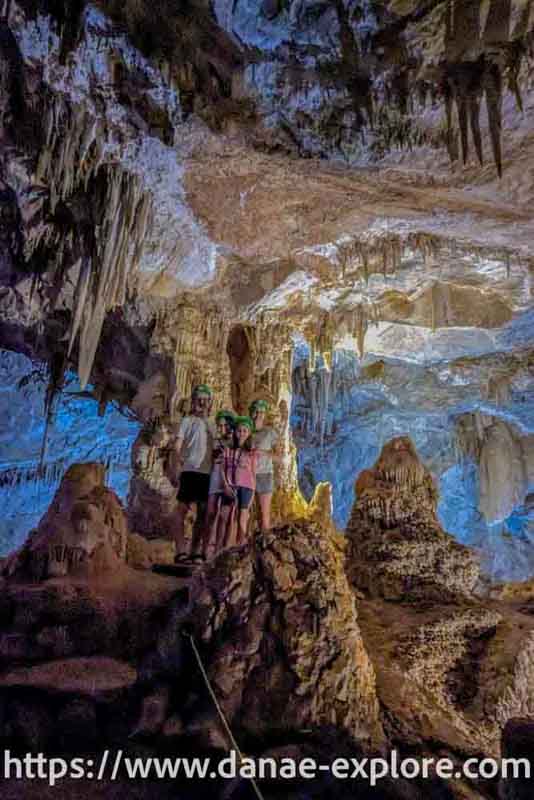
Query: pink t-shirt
point(240, 467)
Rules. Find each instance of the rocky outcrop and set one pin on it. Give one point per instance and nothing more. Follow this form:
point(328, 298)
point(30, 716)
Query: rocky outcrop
point(300, 662)
point(152, 497)
point(397, 548)
point(84, 532)
point(453, 674)
point(278, 623)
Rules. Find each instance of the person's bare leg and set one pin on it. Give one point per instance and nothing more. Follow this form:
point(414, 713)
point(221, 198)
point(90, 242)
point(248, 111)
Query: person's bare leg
point(231, 513)
point(224, 528)
point(200, 531)
point(265, 511)
point(242, 534)
point(212, 525)
point(179, 530)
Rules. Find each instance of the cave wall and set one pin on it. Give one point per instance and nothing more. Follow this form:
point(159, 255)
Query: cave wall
point(78, 433)
point(485, 498)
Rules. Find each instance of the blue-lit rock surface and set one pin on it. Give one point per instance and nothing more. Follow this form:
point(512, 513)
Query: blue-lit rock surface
point(342, 419)
point(78, 434)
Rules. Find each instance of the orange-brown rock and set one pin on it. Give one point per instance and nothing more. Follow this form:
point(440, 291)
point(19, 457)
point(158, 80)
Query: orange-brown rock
point(83, 533)
point(280, 624)
point(451, 673)
point(397, 548)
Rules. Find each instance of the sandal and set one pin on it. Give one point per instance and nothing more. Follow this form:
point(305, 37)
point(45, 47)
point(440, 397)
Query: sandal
point(181, 558)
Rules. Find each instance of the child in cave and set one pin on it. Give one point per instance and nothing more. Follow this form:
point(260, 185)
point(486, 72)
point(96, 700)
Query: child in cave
point(239, 478)
point(218, 513)
point(265, 440)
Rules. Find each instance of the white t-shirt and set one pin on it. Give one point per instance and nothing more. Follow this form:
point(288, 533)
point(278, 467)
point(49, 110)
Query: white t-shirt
point(265, 439)
point(197, 434)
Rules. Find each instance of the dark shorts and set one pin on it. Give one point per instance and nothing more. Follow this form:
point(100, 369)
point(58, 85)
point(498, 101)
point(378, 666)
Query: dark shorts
point(194, 487)
point(244, 498)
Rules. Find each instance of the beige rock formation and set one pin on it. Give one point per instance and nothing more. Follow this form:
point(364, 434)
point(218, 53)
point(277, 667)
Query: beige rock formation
point(505, 459)
point(454, 674)
point(280, 623)
point(83, 533)
point(396, 546)
point(450, 667)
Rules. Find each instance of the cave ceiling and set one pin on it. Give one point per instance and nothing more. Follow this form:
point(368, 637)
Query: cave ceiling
point(363, 171)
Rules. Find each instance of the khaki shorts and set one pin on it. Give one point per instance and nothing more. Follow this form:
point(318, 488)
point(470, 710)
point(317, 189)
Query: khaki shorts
point(265, 483)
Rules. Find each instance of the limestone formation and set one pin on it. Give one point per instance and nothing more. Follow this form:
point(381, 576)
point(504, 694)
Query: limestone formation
point(280, 625)
point(450, 673)
point(152, 500)
point(84, 532)
point(397, 548)
point(197, 192)
point(505, 459)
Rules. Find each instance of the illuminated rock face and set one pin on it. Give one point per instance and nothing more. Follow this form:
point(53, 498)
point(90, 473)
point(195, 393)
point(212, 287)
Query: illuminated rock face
point(397, 548)
point(433, 398)
point(154, 201)
point(80, 432)
point(280, 623)
point(506, 462)
point(83, 534)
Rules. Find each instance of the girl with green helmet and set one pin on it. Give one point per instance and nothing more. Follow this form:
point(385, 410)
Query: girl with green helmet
point(225, 423)
point(216, 521)
point(239, 480)
point(264, 440)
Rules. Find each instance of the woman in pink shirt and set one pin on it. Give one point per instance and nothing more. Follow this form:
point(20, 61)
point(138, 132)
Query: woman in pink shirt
point(240, 463)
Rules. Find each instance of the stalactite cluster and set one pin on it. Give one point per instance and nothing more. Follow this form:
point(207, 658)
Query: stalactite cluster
point(462, 53)
point(49, 474)
point(384, 253)
point(103, 282)
point(74, 151)
point(103, 244)
point(194, 339)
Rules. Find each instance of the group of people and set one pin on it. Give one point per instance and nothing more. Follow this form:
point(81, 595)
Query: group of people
point(222, 465)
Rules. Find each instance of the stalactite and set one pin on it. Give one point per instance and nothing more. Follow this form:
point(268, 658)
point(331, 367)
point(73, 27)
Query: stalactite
point(325, 377)
point(73, 153)
point(493, 85)
point(103, 283)
point(362, 316)
point(325, 340)
point(434, 312)
point(312, 357)
point(55, 384)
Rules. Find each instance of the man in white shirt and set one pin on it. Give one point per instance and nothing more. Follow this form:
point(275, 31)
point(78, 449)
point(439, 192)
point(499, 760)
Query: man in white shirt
point(194, 446)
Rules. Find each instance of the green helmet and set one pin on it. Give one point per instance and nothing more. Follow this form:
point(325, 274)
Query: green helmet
point(244, 421)
point(258, 405)
point(202, 389)
point(229, 416)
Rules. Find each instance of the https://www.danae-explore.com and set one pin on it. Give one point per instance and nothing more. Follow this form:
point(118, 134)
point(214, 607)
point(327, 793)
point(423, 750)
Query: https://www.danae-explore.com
point(110, 766)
